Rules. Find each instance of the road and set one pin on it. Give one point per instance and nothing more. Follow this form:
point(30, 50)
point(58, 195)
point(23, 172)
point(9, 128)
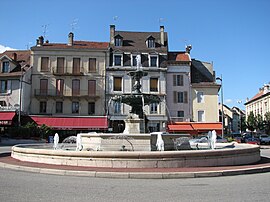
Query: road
point(32, 187)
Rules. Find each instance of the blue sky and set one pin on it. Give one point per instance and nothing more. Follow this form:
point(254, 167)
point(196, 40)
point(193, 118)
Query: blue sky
point(233, 34)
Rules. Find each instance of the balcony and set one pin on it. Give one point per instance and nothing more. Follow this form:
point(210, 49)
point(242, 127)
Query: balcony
point(40, 93)
point(67, 72)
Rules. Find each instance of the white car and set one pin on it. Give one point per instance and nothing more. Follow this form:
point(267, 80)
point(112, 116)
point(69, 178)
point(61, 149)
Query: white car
point(264, 139)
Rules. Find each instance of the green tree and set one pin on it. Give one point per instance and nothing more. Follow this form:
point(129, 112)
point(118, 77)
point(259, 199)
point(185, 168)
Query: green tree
point(251, 122)
point(267, 122)
point(259, 123)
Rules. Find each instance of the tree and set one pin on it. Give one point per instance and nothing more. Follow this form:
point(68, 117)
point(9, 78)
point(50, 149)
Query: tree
point(251, 122)
point(259, 123)
point(267, 122)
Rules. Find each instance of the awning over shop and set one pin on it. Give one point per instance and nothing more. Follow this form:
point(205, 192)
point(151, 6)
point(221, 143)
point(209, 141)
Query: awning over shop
point(6, 118)
point(194, 127)
point(86, 123)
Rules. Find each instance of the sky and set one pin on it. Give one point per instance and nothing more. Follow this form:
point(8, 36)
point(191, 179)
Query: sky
point(234, 34)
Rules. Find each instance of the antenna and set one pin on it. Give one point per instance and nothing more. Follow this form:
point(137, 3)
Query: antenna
point(45, 30)
point(73, 24)
point(161, 21)
point(28, 45)
point(115, 18)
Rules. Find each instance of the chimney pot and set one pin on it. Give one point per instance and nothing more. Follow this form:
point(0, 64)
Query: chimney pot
point(70, 39)
point(188, 49)
point(112, 34)
point(14, 56)
point(162, 37)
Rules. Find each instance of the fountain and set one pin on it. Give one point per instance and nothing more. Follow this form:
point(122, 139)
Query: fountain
point(135, 123)
point(134, 148)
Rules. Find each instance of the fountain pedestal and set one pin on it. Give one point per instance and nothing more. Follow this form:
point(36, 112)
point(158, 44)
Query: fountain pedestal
point(133, 125)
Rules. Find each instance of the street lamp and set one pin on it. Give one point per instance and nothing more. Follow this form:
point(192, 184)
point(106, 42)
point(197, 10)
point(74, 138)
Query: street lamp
point(222, 111)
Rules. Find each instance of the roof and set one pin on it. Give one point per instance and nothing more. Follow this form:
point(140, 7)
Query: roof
point(178, 57)
point(201, 72)
point(194, 127)
point(21, 55)
point(135, 41)
point(257, 96)
point(72, 122)
point(76, 45)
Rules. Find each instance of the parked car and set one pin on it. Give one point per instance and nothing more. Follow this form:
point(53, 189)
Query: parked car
point(264, 139)
point(252, 140)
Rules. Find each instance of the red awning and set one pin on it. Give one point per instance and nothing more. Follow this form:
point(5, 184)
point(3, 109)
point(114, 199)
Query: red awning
point(90, 123)
point(6, 118)
point(207, 126)
point(182, 127)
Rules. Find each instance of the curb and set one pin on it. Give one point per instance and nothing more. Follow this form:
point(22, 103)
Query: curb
point(138, 175)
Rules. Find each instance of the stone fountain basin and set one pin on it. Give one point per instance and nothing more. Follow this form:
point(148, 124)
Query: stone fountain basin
point(241, 154)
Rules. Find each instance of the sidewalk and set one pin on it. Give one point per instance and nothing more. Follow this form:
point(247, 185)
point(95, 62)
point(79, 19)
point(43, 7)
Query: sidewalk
point(6, 161)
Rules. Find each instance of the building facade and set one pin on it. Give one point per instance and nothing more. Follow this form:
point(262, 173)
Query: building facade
point(124, 47)
point(178, 87)
point(15, 86)
point(260, 103)
point(68, 81)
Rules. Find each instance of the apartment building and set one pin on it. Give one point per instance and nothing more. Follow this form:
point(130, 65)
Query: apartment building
point(178, 86)
point(153, 49)
point(260, 103)
point(15, 86)
point(68, 82)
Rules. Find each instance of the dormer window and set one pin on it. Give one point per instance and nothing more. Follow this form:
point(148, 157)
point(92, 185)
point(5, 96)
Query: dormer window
point(118, 40)
point(5, 67)
point(150, 42)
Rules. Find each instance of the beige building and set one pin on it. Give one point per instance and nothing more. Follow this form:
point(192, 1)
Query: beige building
point(204, 92)
point(15, 86)
point(178, 98)
point(68, 81)
point(260, 103)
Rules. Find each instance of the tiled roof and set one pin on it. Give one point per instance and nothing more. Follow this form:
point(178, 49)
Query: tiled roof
point(178, 57)
point(258, 95)
point(22, 55)
point(136, 41)
point(76, 45)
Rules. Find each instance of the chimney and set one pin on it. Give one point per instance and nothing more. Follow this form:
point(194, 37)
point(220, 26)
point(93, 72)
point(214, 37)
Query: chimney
point(40, 41)
point(14, 56)
point(112, 33)
point(70, 39)
point(188, 49)
point(266, 88)
point(162, 37)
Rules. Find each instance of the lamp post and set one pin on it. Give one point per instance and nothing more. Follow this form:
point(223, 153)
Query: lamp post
point(222, 111)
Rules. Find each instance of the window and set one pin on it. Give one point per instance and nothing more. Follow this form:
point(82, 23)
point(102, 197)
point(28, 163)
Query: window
point(117, 84)
point(5, 67)
point(92, 65)
point(44, 64)
point(180, 97)
point(60, 65)
point(43, 86)
point(42, 107)
point(4, 86)
point(180, 114)
point(200, 97)
point(59, 107)
point(117, 107)
point(118, 41)
point(3, 103)
point(117, 60)
point(153, 61)
point(200, 116)
point(154, 108)
point(154, 84)
point(59, 86)
point(76, 65)
point(75, 107)
point(134, 61)
point(91, 108)
point(151, 42)
point(75, 87)
point(178, 80)
point(91, 87)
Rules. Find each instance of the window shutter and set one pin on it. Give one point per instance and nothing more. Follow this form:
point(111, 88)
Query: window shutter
point(8, 86)
point(174, 96)
point(185, 97)
point(174, 80)
point(92, 65)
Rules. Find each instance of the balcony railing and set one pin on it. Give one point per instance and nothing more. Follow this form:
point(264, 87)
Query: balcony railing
point(67, 93)
point(68, 71)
